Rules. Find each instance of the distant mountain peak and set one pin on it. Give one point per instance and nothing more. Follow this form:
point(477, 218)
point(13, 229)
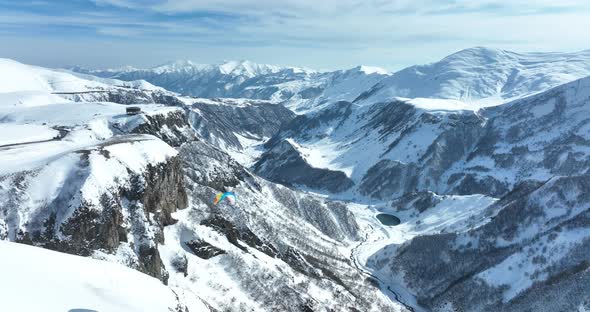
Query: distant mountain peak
point(476, 54)
point(231, 67)
point(247, 68)
point(481, 50)
point(372, 70)
point(482, 76)
point(178, 66)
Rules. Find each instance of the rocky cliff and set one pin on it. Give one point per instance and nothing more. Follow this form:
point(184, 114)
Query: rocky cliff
point(96, 210)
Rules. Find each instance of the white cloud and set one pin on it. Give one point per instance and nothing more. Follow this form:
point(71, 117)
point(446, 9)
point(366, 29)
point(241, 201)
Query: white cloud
point(365, 23)
point(118, 31)
point(337, 7)
point(333, 33)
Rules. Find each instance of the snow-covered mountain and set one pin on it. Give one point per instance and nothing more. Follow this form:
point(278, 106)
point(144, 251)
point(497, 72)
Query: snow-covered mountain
point(234, 68)
point(26, 85)
point(85, 178)
point(531, 153)
point(227, 79)
point(435, 145)
point(478, 77)
point(388, 192)
point(297, 88)
point(483, 76)
point(101, 190)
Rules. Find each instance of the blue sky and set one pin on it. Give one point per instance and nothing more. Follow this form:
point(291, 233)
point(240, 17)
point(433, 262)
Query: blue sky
point(325, 34)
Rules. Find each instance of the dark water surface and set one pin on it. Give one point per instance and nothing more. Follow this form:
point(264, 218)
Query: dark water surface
point(388, 219)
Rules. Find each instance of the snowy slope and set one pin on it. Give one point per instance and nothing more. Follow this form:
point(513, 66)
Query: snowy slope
point(20, 77)
point(55, 282)
point(26, 85)
point(272, 243)
point(233, 68)
point(29, 85)
point(527, 250)
point(328, 88)
point(65, 166)
point(13, 134)
point(352, 139)
point(483, 76)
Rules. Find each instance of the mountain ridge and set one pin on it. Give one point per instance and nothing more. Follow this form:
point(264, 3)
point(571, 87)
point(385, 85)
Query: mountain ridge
point(477, 76)
point(485, 76)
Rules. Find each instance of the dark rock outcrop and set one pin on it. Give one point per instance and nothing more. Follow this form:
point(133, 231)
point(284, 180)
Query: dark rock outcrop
point(419, 201)
point(236, 235)
point(388, 178)
point(123, 215)
point(172, 127)
point(220, 123)
point(284, 164)
point(125, 96)
point(164, 191)
point(208, 166)
point(203, 250)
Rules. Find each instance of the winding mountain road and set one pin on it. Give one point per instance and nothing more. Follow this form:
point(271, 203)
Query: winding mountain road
point(382, 284)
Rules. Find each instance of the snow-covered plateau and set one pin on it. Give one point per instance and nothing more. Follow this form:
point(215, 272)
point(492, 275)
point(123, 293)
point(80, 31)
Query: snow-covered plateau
point(460, 185)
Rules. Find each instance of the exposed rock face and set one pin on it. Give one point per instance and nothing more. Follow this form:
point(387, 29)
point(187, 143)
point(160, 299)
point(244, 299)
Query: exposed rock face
point(332, 218)
point(160, 192)
point(128, 217)
point(211, 167)
point(420, 201)
point(164, 191)
point(3, 230)
point(388, 178)
point(126, 96)
point(220, 121)
point(452, 136)
point(537, 233)
point(172, 127)
point(284, 164)
point(203, 249)
point(237, 235)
